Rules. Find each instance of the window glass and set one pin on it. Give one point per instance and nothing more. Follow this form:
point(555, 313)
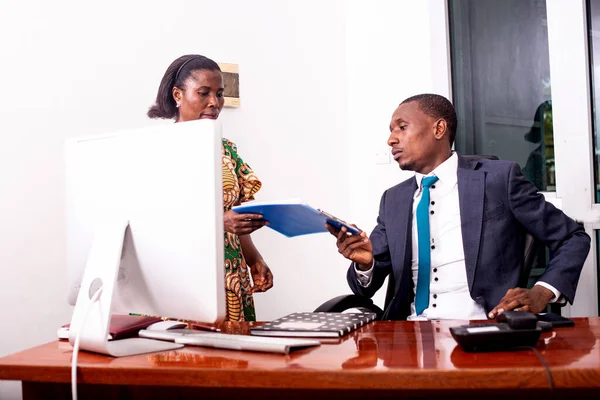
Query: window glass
point(593, 11)
point(501, 83)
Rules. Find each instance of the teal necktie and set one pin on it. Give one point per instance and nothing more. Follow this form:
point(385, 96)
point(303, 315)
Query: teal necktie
point(422, 297)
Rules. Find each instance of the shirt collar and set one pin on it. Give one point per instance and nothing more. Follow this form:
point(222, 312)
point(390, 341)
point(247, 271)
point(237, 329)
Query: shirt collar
point(446, 171)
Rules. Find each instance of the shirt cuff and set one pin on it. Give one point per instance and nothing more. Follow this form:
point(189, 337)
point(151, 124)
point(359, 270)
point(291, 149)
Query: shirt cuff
point(558, 298)
point(364, 277)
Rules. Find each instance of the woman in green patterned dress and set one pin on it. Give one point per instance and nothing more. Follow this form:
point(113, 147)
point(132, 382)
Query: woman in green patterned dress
point(192, 88)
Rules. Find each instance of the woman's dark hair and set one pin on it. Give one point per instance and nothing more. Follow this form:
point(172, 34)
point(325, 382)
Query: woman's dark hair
point(176, 74)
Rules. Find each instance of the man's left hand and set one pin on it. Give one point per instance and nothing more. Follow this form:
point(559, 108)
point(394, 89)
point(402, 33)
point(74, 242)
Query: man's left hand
point(533, 300)
point(262, 277)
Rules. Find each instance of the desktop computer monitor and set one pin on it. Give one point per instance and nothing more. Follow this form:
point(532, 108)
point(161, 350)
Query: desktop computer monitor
point(145, 222)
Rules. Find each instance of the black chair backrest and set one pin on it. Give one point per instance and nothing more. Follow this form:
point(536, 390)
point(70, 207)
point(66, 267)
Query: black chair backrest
point(531, 247)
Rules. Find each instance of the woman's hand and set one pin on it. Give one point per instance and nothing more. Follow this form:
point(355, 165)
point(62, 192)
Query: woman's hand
point(242, 224)
point(262, 277)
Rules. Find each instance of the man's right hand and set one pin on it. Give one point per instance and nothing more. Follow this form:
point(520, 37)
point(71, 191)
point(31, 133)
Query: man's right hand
point(355, 248)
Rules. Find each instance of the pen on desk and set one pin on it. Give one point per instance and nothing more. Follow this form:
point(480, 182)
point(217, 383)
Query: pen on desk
point(205, 327)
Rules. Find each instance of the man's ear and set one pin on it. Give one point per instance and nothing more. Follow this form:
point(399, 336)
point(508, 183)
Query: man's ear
point(441, 127)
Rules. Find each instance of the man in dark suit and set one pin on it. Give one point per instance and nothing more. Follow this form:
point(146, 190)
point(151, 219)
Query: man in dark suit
point(451, 238)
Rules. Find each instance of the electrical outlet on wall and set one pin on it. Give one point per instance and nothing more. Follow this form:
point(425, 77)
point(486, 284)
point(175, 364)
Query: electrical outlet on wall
point(382, 156)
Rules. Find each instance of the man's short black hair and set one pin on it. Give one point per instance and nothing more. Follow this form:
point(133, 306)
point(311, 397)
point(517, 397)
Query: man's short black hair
point(437, 106)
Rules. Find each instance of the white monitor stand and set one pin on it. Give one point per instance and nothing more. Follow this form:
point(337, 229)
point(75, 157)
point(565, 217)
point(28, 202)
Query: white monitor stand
point(91, 317)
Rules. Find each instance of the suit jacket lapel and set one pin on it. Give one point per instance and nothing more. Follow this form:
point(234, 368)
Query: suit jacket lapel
point(401, 223)
point(471, 188)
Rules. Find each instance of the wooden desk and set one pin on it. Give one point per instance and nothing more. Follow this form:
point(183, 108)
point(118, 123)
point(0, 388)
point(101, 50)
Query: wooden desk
point(381, 360)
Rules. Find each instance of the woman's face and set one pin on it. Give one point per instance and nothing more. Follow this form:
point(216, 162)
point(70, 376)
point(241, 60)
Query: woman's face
point(201, 96)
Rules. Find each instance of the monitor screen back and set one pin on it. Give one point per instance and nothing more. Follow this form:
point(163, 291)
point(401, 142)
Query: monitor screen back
point(166, 181)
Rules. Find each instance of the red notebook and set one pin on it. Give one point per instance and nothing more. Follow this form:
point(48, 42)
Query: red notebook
point(121, 326)
point(124, 326)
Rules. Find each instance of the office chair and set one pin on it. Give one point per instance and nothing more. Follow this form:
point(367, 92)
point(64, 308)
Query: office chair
point(531, 249)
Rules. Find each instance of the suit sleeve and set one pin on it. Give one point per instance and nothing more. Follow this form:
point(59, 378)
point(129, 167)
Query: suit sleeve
point(566, 239)
point(381, 255)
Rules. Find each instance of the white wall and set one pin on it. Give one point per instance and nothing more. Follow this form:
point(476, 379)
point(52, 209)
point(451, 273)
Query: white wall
point(365, 62)
point(401, 51)
point(290, 129)
point(319, 82)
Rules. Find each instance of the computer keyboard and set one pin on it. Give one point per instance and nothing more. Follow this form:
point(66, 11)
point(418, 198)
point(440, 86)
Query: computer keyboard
point(245, 342)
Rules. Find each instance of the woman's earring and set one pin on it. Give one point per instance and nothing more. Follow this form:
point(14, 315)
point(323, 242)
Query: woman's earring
point(178, 105)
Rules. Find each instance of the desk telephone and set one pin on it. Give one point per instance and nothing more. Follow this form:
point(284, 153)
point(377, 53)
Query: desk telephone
point(513, 329)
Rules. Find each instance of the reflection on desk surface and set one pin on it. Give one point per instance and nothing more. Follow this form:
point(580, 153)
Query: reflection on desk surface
point(193, 356)
point(429, 345)
point(381, 346)
point(183, 358)
point(576, 346)
point(579, 345)
point(413, 345)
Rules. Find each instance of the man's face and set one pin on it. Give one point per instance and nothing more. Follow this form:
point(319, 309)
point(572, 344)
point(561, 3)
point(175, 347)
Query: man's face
point(413, 138)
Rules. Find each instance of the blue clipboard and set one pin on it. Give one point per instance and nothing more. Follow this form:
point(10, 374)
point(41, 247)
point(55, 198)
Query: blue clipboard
point(294, 219)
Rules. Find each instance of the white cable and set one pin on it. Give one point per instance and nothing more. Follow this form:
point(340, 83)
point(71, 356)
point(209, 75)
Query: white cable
point(76, 345)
